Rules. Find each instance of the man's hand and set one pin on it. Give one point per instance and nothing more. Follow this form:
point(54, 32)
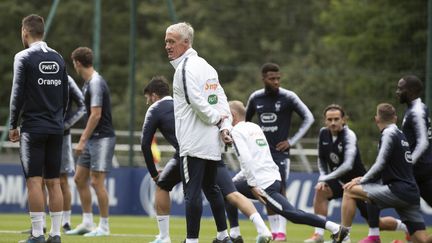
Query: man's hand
point(257, 192)
point(282, 146)
point(14, 135)
point(79, 148)
point(219, 124)
point(226, 137)
point(321, 186)
point(352, 183)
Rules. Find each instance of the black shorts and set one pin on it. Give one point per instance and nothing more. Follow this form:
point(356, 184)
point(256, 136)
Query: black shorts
point(224, 179)
point(41, 154)
point(170, 175)
point(336, 187)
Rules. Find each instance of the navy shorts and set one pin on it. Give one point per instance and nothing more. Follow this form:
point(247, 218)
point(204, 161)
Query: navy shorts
point(336, 188)
point(284, 166)
point(224, 179)
point(383, 197)
point(98, 154)
point(170, 175)
point(41, 154)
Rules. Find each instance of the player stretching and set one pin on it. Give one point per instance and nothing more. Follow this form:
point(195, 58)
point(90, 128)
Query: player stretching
point(259, 177)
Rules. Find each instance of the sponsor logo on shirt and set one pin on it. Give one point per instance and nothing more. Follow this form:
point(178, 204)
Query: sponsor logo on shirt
point(261, 142)
point(268, 117)
point(269, 129)
point(49, 67)
point(49, 82)
point(212, 99)
point(211, 84)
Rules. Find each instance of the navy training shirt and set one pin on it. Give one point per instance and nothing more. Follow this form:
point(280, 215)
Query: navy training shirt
point(393, 165)
point(39, 90)
point(274, 117)
point(97, 94)
point(73, 115)
point(416, 126)
point(160, 115)
point(339, 159)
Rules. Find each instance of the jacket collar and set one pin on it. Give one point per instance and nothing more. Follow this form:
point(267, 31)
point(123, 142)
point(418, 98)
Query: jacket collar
point(415, 101)
point(189, 52)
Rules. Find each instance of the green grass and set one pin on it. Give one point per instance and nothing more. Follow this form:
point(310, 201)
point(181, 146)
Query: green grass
point(142, 229)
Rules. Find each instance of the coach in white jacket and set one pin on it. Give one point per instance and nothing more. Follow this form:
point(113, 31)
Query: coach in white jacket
point(201, 115)
point(259, 176)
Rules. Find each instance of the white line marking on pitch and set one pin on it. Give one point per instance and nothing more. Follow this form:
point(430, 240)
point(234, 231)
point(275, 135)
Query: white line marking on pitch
point(116, 235)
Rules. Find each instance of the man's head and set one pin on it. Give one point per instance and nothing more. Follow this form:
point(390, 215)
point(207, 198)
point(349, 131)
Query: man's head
point(178, 38)
point(82, 58)
point(32, 29)
point(271, 77)
point(334, 118)
point(238, 111)
point(385, 115)
point(156, 89)
point(409, 88)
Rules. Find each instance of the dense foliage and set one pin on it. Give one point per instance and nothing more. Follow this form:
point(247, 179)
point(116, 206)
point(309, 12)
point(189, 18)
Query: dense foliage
point(350, 52)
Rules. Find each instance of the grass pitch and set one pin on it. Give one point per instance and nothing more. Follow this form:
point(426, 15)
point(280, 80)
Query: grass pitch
point(143, 229)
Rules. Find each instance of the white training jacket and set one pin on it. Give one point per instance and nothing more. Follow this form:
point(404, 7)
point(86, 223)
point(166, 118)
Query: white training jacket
point(256, 163)
point(199, 104)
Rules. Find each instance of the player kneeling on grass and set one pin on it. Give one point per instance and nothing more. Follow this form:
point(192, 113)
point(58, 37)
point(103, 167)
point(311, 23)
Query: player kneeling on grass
point(259, 176)
point(393, 166)
point(339, 162)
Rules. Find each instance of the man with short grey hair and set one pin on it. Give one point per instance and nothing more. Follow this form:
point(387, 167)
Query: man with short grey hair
point(201, 115)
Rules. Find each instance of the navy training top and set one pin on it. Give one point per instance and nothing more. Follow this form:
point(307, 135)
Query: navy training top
point(39, 90)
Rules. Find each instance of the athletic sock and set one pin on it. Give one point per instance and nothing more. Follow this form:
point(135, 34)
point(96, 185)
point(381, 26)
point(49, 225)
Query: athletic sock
point(401, 226)
point(374, 232)
point(56, 219)
point(274, 223)
point(37, 223)
point(163, 224)
point(103, 224)
point(235, 232)
point(87, 219)
point(66, 217)
point(44, 219)
point(194, 240)
point(222, 234)
point(320, 231)
point(282, 224)
point(332, 227)
point(260, 226)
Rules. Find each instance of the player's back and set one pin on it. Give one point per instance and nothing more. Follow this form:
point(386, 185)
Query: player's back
point(40, 89)
point(398, 172)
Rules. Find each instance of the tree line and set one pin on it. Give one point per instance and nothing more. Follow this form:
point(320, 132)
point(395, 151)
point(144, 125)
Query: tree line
point(350, 52)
